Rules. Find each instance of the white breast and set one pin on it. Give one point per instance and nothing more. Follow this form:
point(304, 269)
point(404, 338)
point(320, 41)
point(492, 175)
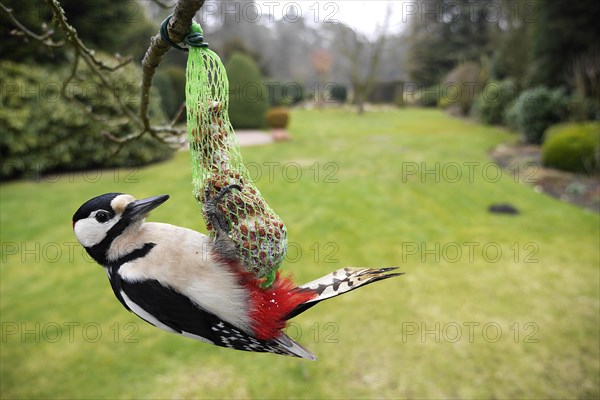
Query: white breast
point(182, 261)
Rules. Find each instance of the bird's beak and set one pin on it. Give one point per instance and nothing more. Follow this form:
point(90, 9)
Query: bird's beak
point(139, 209)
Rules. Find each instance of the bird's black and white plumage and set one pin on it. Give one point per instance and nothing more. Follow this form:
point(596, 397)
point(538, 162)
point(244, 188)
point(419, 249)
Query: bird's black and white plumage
point(187, 283)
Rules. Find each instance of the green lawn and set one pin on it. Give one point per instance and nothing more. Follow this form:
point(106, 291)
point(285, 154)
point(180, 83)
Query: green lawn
point(491, 306)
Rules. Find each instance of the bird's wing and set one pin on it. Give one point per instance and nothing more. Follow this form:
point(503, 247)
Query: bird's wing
point(169, 310)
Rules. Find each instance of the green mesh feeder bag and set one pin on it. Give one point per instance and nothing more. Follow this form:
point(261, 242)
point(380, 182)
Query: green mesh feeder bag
point(258, 233)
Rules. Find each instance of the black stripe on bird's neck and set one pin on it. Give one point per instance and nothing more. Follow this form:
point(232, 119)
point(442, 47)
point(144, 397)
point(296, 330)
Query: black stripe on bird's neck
point(99, 252)
point(113, 267)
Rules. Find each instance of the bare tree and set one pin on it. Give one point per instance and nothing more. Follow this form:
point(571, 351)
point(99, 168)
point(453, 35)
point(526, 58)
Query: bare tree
point(364, 56)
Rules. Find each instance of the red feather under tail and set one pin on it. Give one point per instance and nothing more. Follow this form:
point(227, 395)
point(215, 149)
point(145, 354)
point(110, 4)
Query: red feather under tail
point(270, 306)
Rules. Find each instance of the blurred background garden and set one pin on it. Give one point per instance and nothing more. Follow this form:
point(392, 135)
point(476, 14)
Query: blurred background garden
point(458, 140)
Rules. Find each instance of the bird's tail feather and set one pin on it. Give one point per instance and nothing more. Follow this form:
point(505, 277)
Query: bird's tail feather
point(294, 348)
point(341, 281)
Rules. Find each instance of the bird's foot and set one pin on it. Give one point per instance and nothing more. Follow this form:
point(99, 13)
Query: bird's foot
point(213, 213)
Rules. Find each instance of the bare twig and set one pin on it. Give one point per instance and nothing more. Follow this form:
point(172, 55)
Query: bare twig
point(63, 90)
point(73, 38)
point(45, 38)
point(95, 65)
point(178, 114)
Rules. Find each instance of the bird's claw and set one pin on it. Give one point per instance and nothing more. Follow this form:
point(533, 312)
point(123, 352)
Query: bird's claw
point(213, 213)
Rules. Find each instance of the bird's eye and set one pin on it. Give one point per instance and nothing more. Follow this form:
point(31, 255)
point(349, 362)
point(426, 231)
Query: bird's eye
point(102, 216)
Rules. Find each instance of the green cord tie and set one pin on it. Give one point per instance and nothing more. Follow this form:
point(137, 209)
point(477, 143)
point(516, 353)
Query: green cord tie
point(194, 38)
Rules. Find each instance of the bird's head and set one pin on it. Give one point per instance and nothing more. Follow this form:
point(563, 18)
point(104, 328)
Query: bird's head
point(100, 220)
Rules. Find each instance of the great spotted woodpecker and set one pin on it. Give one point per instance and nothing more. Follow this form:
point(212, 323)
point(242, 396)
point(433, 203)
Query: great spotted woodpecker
point(187, 283)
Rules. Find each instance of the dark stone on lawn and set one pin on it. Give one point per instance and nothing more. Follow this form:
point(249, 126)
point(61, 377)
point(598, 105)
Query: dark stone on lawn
point(503, 209)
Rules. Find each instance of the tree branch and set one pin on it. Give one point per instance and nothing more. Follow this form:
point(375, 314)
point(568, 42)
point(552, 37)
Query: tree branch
point(177, 29)
point(95, 65)
point(46, 38)
point(178, 114)
point(88, 54)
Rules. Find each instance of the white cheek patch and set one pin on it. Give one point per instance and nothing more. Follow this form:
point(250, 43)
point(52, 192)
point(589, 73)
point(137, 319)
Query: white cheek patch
point(90, 232)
